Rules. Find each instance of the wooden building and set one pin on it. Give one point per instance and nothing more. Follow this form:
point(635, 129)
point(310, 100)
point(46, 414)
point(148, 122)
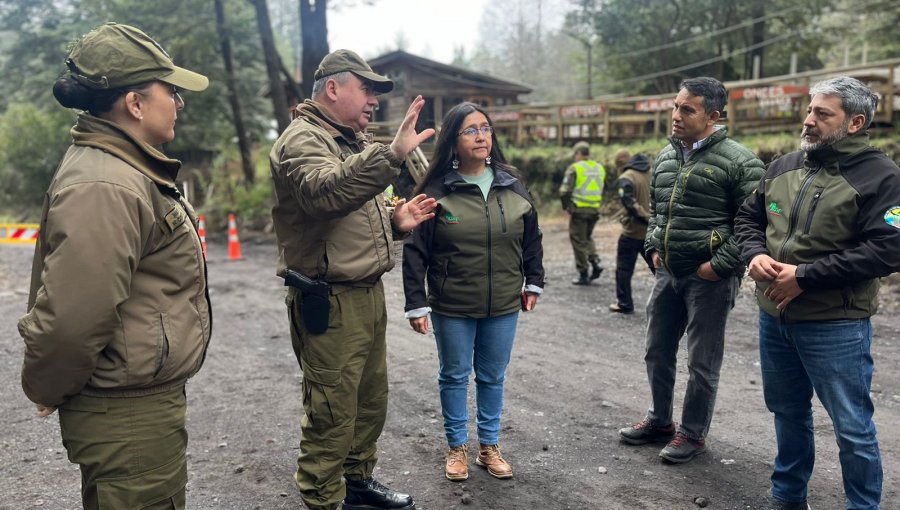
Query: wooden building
point(443, 86)
point(774, 104)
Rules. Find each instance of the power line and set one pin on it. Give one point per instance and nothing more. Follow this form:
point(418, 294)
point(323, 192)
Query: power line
point(698, 37)
point(712, 60)
point(731, 28)
point(766, 42)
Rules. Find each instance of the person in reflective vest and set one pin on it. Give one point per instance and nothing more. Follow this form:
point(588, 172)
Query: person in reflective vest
point(581, 193)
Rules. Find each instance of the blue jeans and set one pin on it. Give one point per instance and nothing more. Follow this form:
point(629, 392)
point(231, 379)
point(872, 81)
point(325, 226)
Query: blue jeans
point(489, 343)
point(698, 308)
point(832, 358)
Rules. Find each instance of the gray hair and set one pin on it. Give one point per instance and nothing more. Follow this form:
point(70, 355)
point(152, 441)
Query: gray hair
point(319, 85)
point(856, 97)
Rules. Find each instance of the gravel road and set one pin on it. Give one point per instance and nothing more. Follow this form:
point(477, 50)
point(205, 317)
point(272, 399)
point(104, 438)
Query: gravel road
point(577, 375)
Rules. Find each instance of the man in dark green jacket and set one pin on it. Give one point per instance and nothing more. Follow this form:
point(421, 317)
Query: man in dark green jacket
point(821, 228)
point(700, 182)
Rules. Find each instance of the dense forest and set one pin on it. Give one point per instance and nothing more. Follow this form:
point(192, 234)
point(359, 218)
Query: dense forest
point(254, 51)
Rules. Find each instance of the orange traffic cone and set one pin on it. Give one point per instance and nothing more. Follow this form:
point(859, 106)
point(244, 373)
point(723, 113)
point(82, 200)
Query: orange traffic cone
point(201, 230)
point(234, 246)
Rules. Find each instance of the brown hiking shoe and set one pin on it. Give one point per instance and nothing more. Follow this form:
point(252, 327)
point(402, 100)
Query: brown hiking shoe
point(457, 466)
point(489, 457)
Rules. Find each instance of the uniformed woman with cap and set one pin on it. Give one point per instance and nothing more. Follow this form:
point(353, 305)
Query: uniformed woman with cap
point(118, 315)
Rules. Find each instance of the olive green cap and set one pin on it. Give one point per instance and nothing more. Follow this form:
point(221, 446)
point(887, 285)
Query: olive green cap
point(345, 60)
point(581, 147)
point(113, 56)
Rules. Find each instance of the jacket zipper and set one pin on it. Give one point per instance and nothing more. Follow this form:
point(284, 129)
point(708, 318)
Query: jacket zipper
point(502, 215)
point(678, 177)
point(812, 209)
point(490, 271)
point(198, 246)
point(795, 209)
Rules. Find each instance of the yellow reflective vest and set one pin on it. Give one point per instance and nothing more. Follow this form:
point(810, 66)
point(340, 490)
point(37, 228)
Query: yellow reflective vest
point(589, 179)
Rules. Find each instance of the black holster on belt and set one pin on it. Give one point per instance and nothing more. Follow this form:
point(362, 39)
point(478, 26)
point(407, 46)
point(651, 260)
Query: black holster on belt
point(314, 306)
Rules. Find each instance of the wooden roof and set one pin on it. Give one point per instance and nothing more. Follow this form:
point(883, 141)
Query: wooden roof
point(446, 72)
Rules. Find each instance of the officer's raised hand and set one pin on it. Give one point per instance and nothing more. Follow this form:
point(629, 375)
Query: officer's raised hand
point(407, 139)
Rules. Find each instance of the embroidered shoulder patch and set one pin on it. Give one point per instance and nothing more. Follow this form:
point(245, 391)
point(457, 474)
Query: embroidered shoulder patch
point(174, 218)
point(892, 216)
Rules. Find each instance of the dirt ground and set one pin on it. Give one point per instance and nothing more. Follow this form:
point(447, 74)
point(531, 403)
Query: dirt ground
point(577, 375)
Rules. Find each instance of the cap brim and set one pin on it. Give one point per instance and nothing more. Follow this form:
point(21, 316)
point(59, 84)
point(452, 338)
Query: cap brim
point(381, 84)
point(187, 80)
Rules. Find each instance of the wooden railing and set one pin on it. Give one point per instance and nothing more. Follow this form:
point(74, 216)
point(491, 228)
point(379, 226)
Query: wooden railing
point(767, 105)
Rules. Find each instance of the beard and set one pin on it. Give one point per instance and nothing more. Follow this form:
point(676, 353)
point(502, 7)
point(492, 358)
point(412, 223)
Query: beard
point(824, 141)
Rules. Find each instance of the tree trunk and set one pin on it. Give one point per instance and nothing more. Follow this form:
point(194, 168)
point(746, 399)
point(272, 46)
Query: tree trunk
point(237, 114)
point(314, 36)
point(273, 65)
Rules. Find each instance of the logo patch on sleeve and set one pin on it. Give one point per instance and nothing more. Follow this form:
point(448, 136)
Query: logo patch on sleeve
point(174, 218)
point(892, 216)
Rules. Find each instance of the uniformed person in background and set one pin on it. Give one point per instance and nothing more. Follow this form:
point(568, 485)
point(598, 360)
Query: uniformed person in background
point(581, 193)
point(118, 315)
point(334, 230)
point(633, 186)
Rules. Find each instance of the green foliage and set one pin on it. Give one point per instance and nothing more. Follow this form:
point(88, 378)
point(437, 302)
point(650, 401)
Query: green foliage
point(641, 38)
point(543, 167)
point(227, 192)
point(32, 142)
point(34, 40)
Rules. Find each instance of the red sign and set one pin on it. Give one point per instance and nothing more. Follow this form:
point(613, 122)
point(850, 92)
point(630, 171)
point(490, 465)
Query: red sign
point(768, 92)
point(581, 111)
point(654, 105)
point(506, 116)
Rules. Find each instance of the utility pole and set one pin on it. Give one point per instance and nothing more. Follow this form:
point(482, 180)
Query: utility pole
point(588, 42)
point(590, 71)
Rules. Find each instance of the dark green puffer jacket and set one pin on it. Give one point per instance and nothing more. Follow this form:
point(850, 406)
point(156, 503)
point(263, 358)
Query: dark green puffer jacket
point(693, 204)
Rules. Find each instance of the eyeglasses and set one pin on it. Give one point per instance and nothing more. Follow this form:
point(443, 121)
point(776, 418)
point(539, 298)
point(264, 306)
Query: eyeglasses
point(485, 130)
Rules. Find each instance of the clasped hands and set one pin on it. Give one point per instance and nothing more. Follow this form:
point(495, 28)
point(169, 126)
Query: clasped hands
point(783, 286)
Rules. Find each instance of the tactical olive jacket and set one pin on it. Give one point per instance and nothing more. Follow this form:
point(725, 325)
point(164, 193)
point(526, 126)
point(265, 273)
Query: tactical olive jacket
point(330, 218)
point(693, 204)
point(634, 193)
point(118, 303)
point(476, 254)
point(835, 214)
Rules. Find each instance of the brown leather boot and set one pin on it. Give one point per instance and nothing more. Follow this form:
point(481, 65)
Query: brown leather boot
point(489, 457)
point(457, 466)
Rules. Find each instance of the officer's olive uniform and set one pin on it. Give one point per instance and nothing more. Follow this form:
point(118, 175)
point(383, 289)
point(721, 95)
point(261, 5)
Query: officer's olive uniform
point(332, 225)
point(581, 192)
point(118, 317)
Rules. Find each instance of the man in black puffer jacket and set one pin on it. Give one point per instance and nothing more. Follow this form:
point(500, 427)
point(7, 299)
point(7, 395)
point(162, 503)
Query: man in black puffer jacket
point(699, 184)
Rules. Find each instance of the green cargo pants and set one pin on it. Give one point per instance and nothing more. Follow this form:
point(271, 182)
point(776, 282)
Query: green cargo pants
point(581, 231)
point(131, 450)
point(344, 392)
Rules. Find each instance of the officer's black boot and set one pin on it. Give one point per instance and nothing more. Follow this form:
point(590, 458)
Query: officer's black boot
point(369, 494)
point(582, 279)
point(596, 269)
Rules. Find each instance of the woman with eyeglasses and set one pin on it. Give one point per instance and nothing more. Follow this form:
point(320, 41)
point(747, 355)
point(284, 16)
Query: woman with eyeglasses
point(481, 256)
point(119, 315)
